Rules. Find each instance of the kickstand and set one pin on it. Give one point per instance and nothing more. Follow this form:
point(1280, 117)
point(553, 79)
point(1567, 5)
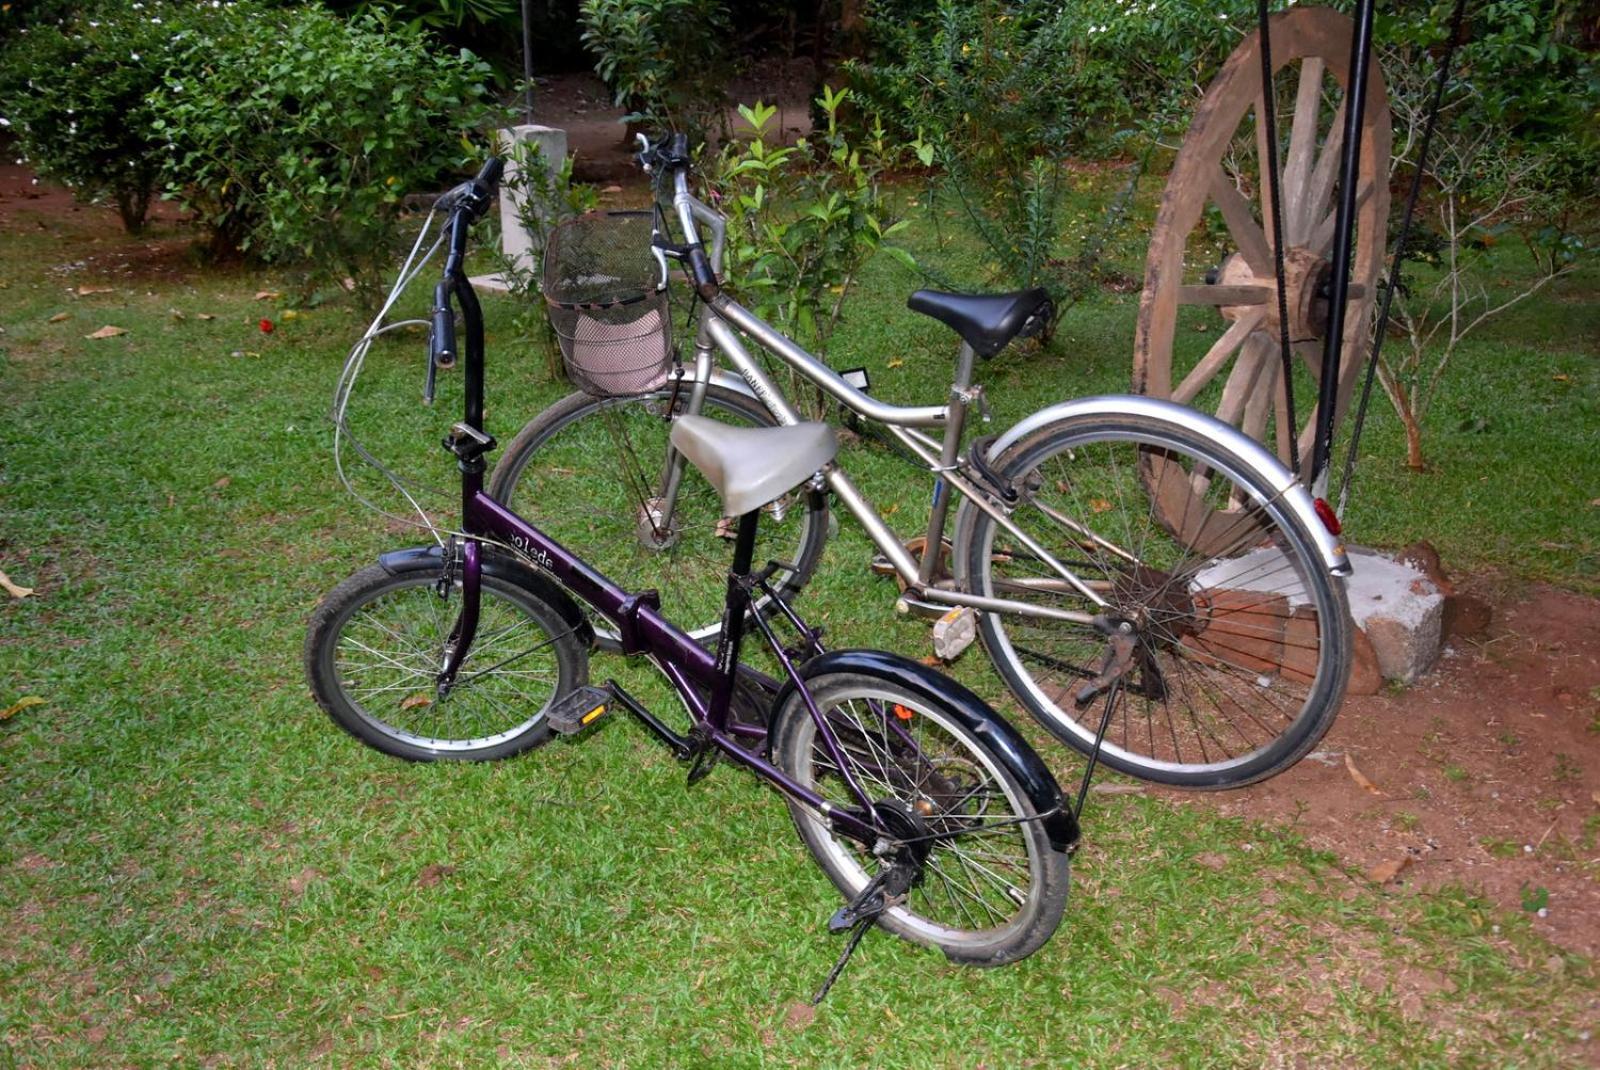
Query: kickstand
point(856, 917)
point(857, 931)
point(1099, 737)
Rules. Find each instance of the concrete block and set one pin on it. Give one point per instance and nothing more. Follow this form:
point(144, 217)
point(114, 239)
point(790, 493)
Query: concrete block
point(1397, 607)
point(515, 241)
point(1400, 609)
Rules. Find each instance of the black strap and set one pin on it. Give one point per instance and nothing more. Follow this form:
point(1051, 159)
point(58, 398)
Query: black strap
point(1443, 77)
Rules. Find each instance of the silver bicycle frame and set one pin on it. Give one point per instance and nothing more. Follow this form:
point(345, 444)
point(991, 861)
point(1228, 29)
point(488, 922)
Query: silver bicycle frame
point(718, 334)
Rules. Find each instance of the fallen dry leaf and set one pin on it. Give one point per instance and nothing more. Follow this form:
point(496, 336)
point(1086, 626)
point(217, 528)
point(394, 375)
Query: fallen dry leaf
point(273, 295)
point(896, 362)
point(86, 291)
point(304, 879)
point(800, 1014)
point(1359, 777)
point(177, 314)
point(411, 702)
point(376, 972)
point(107, 331)
point(62, 317)
point(1595, 795)
point(22, 592)
point(433, 873)
point(24, 702)
point(222, 483)
point(1384, 872)
point(618, 189)
point(209, 316)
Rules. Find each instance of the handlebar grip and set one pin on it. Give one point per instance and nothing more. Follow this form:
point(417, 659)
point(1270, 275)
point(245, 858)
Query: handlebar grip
point(489, 174)
point(442, 342)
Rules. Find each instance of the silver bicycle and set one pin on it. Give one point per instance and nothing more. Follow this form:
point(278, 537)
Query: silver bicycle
point(1133, 567)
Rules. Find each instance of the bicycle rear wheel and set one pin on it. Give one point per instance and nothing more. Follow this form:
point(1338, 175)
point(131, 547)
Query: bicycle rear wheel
point(1243, 645)
point(993, 887)
point(590, 472)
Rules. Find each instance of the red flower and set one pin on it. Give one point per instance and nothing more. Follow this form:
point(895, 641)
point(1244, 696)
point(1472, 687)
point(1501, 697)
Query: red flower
point(266, 326)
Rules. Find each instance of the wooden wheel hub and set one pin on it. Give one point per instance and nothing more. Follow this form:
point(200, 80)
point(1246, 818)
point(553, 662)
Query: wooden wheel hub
point(1305, 277)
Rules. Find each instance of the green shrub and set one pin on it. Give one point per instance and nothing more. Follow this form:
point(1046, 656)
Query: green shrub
point(296, 135)
point(664, 59)
point(77, 98)
point(803, 220)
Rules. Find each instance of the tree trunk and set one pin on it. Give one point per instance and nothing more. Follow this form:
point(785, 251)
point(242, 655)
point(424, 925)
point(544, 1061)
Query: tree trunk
point(1413, 428)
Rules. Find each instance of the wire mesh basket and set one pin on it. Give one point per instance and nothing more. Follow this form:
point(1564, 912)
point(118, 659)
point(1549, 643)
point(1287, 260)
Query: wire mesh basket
point(607, 301)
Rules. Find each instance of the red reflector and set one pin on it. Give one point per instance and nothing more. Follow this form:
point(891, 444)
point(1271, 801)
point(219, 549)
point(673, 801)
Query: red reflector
point(1330, 519)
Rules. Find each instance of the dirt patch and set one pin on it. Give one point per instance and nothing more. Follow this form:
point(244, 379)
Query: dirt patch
point(580, 104)
point(1487, 773)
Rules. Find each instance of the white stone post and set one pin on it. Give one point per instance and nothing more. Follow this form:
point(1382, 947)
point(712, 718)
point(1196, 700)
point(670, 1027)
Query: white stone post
point(516, 242)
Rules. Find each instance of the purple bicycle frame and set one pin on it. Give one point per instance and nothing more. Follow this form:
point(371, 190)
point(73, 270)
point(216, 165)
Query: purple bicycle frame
point(687, 664)
point(636, 615)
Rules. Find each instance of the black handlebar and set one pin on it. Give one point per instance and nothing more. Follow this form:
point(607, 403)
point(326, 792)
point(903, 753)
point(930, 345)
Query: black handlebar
point(476, 193)
point(466, 204)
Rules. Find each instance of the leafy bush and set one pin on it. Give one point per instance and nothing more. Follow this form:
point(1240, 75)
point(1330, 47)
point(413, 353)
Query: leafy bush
point(804, 219)
point(664, 59)
point(1005, 92)
point(295, 134)
point(77, 99)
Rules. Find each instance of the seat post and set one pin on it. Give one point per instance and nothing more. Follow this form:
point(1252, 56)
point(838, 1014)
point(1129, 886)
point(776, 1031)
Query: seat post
point(733, 611)
point(959, 396)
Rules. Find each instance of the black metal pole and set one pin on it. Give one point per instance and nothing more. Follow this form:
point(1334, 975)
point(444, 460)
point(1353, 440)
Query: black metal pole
point(1343, 223)
point(1441, 80)
point(527, 64)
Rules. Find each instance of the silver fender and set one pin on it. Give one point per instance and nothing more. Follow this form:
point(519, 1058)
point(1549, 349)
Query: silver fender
point(1252, 453)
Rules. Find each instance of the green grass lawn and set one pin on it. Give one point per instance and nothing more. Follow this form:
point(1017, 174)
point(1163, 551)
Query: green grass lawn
point(197, 868)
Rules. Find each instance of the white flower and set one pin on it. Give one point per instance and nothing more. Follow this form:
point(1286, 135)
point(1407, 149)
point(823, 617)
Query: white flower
point(135, 56)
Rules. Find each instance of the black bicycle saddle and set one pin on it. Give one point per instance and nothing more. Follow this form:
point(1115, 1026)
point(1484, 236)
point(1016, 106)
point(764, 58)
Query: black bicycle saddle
point(986, 322)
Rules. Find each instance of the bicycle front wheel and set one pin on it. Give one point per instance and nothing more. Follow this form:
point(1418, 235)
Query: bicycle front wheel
point(592, 472)
point(376, 644)
point(1243, 636)
point(993, 888)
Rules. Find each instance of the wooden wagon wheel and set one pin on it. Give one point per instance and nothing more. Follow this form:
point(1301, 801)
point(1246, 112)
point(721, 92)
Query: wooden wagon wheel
point(1211, 252)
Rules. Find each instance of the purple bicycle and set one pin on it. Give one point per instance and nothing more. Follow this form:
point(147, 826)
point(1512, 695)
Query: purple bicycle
point(933, 817)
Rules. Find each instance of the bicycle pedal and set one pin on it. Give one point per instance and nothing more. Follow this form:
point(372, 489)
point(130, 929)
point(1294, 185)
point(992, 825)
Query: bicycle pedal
point(881, 566)
point(954, 632)
point(574, 712)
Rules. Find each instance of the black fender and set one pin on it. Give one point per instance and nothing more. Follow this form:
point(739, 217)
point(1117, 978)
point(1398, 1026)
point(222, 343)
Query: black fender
point(503, 567)
point(974, 714)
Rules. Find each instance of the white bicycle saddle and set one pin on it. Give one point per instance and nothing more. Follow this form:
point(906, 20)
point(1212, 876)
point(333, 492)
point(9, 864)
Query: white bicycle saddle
point(750, 466)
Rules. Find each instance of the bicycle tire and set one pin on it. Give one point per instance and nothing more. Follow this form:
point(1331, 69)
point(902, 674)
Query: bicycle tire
point(525, 656)
point(985, 911)
point(562, 445)
point(1245, 644)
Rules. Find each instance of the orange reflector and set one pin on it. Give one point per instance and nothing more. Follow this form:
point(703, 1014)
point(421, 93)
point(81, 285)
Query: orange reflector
point(901, 712)
point(598, 710)
point(1329, 518)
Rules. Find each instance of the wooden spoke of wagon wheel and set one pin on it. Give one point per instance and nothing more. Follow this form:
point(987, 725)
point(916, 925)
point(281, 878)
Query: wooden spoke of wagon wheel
point(1232, 367)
